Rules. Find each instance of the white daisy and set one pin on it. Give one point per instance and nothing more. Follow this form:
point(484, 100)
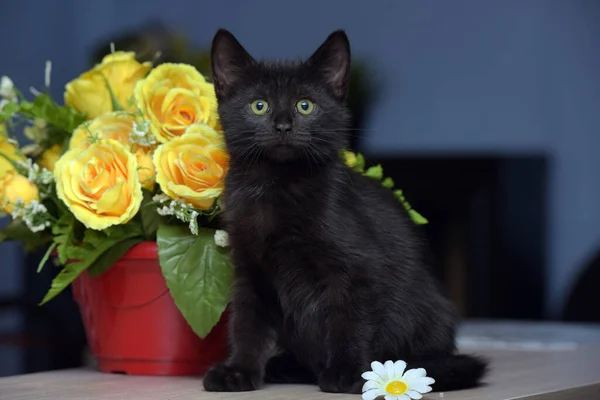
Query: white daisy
point(389, 381)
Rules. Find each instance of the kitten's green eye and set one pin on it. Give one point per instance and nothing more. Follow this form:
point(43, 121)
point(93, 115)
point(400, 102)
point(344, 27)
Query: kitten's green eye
point(305, 106)
point(259, 107)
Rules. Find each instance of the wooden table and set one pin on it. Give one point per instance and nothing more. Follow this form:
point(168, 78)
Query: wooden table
point(520, 370)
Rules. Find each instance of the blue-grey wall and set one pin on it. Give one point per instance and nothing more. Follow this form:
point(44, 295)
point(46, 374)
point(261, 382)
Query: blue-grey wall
point(458, 76)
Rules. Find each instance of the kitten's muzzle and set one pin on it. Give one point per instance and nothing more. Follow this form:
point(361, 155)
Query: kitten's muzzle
point(283, 128)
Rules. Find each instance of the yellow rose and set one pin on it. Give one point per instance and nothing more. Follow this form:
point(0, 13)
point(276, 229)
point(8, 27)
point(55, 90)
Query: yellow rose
point(99, 184)
point(146, 169)
point(113, 125)
point(117, 125)
point(10, 151)
point(49, 157)
point(210, 135)
point(190, 170)
point(173, 97)
point(89, 92)
point(14, 187)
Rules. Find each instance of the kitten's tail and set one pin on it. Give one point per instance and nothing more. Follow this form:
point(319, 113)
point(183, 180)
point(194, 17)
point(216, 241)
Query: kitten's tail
point(453, 372)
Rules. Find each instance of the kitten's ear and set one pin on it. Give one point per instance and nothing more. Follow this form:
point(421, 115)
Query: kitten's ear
point(331, 62)
point(229, 61)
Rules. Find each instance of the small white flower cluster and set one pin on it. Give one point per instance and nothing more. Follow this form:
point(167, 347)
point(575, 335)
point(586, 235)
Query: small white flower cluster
point(35, 215)
point(141, 134)
point(179, 209)
point(41, 177)
point(7, 92)
point(221, 238)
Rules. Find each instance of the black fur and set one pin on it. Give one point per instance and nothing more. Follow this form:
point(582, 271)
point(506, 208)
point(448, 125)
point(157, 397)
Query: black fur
point(329, 269)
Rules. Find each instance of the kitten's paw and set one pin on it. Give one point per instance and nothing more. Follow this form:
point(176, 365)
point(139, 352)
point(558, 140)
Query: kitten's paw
point(224, 378)
point(340, 380)
point(285, 368)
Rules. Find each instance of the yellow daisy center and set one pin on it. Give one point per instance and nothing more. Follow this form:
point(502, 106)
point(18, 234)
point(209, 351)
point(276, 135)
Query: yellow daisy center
point(396, 387)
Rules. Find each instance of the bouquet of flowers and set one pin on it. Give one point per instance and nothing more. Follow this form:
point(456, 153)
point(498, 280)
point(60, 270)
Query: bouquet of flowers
point(135, 154)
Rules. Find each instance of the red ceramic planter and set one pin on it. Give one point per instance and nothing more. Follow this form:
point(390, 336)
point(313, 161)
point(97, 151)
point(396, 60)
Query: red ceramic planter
point(133, 325)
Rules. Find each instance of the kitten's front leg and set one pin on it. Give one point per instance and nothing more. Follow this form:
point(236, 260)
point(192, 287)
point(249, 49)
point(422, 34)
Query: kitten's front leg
point(348, 338)
point(252, 341)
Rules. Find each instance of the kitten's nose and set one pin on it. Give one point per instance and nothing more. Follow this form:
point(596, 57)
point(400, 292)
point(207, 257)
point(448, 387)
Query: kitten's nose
point(283, 128)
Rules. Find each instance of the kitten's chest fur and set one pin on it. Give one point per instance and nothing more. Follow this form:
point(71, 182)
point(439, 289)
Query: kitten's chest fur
point(278, 221)
point(268, 210)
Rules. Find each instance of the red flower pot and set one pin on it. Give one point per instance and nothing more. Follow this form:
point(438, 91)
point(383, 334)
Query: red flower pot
point(133, 325)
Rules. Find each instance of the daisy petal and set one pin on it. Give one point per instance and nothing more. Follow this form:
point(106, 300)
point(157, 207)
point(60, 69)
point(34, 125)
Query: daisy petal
point(427, 380)
point(372, 394)
point(393, 397)
point(403, 397)
point(414, 395)
point(420, 372)
point(412, 374)
point(399, 367)
point(379, 369)
point(389, 369)
point(371, 385)
point(418, 383)
point(371, 376)
point(421, 388)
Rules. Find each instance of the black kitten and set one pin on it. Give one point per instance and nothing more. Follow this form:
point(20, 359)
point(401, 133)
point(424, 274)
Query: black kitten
point(329, 272)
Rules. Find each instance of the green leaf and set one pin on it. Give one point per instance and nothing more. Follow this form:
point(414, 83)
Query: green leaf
point(399, 195)
point(413, 214)
point(64, 278)
point(107, 260)
point(375, 172)
point(10, 108)
point(64, 236)
point(84, 255)
point(17, 230)
point(149, 216)
point(65, 118)
point(388, 183)
point(359, 166)
point(198, 273)
point(116, 106)
point(417, 218)
point(44, 259)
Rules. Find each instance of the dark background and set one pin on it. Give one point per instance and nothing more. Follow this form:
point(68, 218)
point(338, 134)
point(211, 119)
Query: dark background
point(487, 114)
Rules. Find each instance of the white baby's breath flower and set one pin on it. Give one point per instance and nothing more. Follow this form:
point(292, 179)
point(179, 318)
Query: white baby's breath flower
point(160, 198)
point(47, 73)
point(141, 134)
point(221, 238)
point(179, 209)
point(7, 88)
point(141, 129)
point(35, 215)
point(390, 381)
point(194, 222)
